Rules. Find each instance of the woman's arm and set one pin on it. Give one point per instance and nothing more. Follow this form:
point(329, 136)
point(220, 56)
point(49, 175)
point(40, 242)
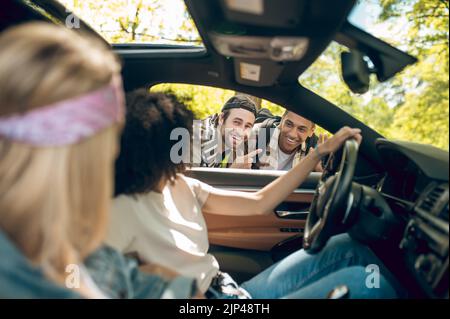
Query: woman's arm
point(265, 200)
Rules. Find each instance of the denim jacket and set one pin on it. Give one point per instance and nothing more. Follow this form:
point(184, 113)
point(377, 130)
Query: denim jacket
point(119, 277)
point(20, 279)
point(115, 275)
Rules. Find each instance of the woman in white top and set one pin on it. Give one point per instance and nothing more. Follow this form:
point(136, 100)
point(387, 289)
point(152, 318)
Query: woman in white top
point(157, 212)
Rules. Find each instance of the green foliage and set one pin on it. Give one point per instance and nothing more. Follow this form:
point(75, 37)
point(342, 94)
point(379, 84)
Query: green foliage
point(423, 115)
point(428, 20)
point(138, 21)
point(202, 100)
point(412, 106)
point(272, 107)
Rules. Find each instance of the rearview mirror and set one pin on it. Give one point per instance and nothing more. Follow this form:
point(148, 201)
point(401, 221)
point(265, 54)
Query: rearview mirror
point(355, 71)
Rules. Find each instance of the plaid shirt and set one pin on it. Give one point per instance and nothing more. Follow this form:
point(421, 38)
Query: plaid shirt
point(206, 151)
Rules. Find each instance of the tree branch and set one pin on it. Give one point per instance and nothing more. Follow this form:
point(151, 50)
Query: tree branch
point(445, 3)
point(430, 16)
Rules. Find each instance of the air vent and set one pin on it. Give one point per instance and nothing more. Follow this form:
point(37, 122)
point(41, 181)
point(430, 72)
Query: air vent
point(444, 214)
point(434, 201)
point(432, 198)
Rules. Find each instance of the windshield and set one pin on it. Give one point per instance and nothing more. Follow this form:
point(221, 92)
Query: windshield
point(138, 21)
point(414, 105)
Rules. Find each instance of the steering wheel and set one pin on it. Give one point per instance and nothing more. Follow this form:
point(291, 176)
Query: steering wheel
point(331, 203)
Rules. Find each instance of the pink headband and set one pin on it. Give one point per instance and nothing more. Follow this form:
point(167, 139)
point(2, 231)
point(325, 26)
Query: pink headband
point(69, 121)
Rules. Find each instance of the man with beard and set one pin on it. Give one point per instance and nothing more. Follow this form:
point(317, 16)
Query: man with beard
point(287, 142)
point(224, 136)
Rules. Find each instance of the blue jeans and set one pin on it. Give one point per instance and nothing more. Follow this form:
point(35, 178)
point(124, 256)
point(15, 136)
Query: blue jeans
point(303, 275)
point(354, 278)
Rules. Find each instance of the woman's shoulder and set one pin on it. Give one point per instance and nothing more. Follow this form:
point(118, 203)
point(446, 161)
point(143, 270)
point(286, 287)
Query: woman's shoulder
point(124, 203)
point(191, 182)
point(183, 181)
point(124, 200)
point(199, 189)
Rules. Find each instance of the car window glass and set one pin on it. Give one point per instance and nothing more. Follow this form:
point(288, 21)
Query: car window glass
point(138, 21)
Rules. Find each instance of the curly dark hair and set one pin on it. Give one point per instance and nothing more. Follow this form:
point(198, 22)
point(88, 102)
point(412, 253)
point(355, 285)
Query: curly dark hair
point(144, 158)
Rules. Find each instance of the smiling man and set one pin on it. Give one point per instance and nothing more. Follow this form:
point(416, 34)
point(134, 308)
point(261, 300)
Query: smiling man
point(287, 142)
point(224, 135)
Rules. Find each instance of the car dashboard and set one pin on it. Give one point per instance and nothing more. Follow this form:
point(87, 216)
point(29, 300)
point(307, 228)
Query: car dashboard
point(416, 187)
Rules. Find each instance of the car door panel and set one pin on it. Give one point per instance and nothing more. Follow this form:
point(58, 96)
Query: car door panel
point(246, 245)
point(256, 232)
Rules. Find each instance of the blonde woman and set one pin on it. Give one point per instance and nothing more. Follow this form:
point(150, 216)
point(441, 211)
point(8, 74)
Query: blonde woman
point(61, 107)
